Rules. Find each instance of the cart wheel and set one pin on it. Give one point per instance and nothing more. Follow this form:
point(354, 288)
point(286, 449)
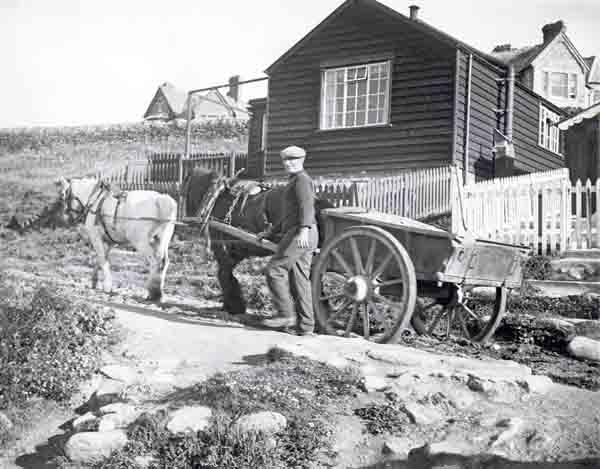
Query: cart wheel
point(364, 283)
point(453, 316)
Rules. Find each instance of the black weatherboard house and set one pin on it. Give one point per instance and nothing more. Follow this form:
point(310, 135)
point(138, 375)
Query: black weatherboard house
point(371, 90)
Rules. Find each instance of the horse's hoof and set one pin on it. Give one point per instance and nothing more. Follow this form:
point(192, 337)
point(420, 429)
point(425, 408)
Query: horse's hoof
point(154, 297)
point(235, 311)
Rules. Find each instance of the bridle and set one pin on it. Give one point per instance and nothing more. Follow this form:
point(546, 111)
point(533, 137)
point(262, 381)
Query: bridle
point(83, 209)
point(209, 200)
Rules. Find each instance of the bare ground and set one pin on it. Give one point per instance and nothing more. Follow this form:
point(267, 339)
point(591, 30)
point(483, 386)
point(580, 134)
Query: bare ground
point(189, 337)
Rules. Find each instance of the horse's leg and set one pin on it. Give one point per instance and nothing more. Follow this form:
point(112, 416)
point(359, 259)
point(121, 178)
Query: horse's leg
point(106, 269)
point(233, 300)
point(154, 280)
point(102, 250)
point(159, 262)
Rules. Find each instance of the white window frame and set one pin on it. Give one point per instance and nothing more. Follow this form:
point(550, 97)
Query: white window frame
point(568, 89)
point(548, 134)
point(340, 110)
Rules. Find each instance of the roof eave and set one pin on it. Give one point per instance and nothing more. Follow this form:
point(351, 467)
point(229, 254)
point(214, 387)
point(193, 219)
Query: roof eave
point(418, 24)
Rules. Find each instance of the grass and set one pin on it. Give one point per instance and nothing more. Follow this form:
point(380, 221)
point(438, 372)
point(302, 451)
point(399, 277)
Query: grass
point(305, 392)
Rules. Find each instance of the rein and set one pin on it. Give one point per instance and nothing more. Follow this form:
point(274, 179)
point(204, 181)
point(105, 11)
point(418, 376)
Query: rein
point(84, 209)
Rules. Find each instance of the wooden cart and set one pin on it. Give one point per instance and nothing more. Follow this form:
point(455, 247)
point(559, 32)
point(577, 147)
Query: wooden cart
point(378, 274)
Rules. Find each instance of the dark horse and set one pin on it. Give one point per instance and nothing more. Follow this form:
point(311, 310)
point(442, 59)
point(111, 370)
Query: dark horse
point(251, 210)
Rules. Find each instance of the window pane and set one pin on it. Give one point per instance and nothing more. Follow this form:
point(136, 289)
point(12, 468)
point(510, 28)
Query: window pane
point(360, 117)
point(351, 74)
point(339, 105)
point(352, 89)
point(362, 87)
point(383, 86)
point(361, 72)
point(329, 107)
point(372, 117)
point(339, 120)
point(351, 104)
point(380, 116)
point(349, 119)
point(374, 71)
point(372, 101)
point(339, 76)
point(361, 103)
point(373, 86)
point(558, 84)
point(339, 90)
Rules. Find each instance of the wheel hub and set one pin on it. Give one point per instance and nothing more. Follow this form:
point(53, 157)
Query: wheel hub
point(357, 288)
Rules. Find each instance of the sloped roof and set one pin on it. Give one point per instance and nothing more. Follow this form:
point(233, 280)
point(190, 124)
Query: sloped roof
point(594, 74)
point(176, 97)
point(519, 58)
point(588, 113)
point(216, 97)
point(404, 20)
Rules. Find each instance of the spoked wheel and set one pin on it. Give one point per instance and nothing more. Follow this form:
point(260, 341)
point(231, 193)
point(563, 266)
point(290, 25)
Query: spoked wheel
point(453, 316)
point(364, 283)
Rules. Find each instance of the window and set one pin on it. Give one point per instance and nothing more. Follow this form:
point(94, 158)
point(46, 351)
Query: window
point(596, 97)
point(560, 85)
point(355, 96)
point(549, 134)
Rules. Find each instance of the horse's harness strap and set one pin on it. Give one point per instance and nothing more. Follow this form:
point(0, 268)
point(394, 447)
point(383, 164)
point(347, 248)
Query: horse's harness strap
point(100, 217)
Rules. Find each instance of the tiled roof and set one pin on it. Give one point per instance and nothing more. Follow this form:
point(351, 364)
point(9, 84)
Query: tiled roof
point(519, 58)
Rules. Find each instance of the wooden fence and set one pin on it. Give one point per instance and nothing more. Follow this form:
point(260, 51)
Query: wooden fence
point(542, 210)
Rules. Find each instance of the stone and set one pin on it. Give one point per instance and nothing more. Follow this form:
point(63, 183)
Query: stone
point(121, 373)
point(582, 347)
point(372, 383)
point(116, 420)
point(576, 273)
point(503, 443)
point(144, 461)
point(477, 384)
point(109, 392)
point(589, 329)
point(189, 419)
point(422, 414)
point(6, 424)
point(460, 398)
point(91, 447)
point(87, 422)
point(265, 422)
point(117, 408)
point(452, 446)
point(538, 384)
point(399, 447)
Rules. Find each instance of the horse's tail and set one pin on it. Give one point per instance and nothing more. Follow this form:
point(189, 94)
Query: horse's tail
point(167, 214)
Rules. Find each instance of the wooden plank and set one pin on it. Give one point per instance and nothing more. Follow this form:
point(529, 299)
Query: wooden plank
point(238, 233)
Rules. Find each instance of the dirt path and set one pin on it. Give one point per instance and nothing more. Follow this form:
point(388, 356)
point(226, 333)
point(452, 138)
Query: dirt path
point(188, 338)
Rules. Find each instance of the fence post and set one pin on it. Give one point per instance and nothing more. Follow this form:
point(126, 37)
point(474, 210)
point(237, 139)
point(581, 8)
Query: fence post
point(232, 165)
point(456, 201)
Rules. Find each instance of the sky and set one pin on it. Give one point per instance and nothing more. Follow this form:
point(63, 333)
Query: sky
point(72, 62)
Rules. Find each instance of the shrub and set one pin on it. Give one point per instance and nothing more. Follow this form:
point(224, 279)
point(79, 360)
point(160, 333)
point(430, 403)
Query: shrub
point(537, 268)
point(48, 344)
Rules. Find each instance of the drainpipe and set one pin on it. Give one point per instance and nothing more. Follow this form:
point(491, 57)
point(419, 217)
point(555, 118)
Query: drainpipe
point(510, 104)
point(467, 119)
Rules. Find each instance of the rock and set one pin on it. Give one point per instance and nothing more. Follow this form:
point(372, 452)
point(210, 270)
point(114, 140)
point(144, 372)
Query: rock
point(265, 422)
point(109, 392)
point(538, 384)
point(589, 329)
point(144, 461)
point(422, 414)
point(117, 408)
point(460, 398)
point(116, 420)
point(6, 424)
point(399, 447)
point(503, 444)
point(582, 347)
point(86, 423)
point(499, 391)
point(477, 384)
point(372, 383)
point(189, 419)
point(451, 446)
point(576, 273)
point(124, 374)
point(91, 447)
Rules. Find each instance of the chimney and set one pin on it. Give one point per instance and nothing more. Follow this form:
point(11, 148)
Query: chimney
point(414, 12)
point(502, 48)
point(234, 88)
point(551, 30)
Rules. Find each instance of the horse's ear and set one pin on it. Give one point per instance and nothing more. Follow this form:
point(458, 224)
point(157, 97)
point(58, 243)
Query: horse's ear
point(62, 182)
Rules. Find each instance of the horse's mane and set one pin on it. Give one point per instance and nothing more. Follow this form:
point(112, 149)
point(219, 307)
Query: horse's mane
point(195, 185)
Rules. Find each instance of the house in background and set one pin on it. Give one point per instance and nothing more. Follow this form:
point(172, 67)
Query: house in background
point(372, 91)
point(555, 69)
point(170, 102)
point(582, 144)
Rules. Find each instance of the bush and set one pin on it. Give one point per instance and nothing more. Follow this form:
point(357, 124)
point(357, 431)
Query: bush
point(48, 345)
point(537, 268)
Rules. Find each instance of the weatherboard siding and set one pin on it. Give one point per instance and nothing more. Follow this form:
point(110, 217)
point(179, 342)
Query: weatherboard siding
point(422, 100)
point(530, 156)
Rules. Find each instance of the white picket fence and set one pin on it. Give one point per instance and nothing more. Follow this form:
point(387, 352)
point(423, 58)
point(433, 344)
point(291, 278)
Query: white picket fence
point(542, 210)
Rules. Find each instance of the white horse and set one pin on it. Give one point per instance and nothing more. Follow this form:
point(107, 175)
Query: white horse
point(142, 219)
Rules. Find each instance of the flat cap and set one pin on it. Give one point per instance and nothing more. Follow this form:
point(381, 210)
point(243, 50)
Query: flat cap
point(293, 153)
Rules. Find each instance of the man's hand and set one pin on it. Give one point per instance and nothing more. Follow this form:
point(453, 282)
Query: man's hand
point(303, 238)
point(262, 235)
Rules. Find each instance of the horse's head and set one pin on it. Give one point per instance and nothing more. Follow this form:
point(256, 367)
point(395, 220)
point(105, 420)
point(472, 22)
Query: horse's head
point(75, 197)
point(201, 188)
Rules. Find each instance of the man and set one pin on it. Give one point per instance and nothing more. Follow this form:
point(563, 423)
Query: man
point(288, 271)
